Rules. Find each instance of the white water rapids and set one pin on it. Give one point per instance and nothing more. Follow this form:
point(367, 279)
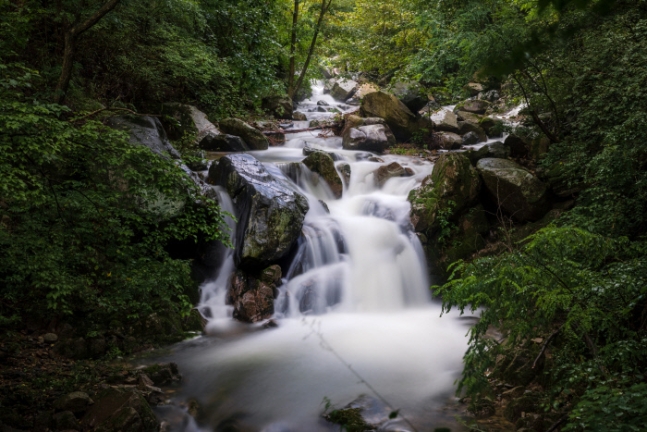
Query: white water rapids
point(357, 292)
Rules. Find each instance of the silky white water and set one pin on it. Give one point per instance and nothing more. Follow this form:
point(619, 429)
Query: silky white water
point(355, 299)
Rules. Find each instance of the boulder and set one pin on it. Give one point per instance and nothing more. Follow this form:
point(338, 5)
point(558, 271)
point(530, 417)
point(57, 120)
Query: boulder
point(180, 120)
point(453, 185)
point(476, 106)
point(470, 138)
point(278, 106)
point(449, 123)
point(254, 138)
point(146, 131)
point(374, 138)
point(120, 409)
point(252, 296)
point(223, 143)
point(386, 172)
point(400, 119)
point(299, 116)
point(75, 402)
point(492, 127)
point(473, 88)
point(323, 164)
point(490, 96)
point(343, 89)
point(365, 89)
point(449, 140)
point(515, 189)
point(469, 117)
point(270, 211)
point(411, 94)
point(466, 127)
point(518, 146)
point(498, 150)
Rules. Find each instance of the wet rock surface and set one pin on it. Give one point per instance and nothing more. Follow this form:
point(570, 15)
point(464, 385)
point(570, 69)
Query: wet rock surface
point(323, 164)
point(254, 138)
point(375, 138)
point(270, 212)
point(147, 131)
point(252, 295)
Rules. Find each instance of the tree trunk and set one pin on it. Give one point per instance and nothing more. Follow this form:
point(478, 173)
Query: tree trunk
point(293, 48)
point(71, 37)
point(325, 5)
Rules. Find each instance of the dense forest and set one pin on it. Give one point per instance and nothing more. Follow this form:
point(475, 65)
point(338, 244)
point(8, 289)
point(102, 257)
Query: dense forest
point(88, 221)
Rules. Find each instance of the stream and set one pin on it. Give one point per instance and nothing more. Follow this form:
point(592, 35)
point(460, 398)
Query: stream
point(354, 315)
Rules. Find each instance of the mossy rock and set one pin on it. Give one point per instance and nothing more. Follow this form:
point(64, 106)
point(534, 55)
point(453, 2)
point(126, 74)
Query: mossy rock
point(322, 163)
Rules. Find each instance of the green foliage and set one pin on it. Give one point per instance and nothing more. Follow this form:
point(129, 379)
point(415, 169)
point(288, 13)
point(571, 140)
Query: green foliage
point(584, 294)
point(85, 217)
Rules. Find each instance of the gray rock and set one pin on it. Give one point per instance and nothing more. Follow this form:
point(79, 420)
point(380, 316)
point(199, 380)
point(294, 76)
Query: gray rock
point(466, 127)
point(222, 142)
point(490, 96)
point(323, 164)
point(373, 138)
point(386, 172)
point(322, 103)
point(299, 116)
point(254, 138)
point(397, 116)
point(515, 189)
point(146, 131)
point(469, 117)
point(475, 106)
point(50, 337)
point(253, 296)
point(76, 402)
point(270, 211)
point(278, 106)
point(519, 147)
point(473, 88)
point(498, 150)
point(411, 94)
point(470, 138)
point(449, 140)
point(180, 120)
point(449, 123)
point(343, 89)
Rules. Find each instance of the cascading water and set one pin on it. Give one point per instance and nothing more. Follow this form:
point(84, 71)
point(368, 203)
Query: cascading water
point(356, 289)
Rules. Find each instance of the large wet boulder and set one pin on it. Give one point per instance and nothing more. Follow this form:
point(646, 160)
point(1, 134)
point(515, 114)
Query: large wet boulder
point(223, 143)
point(180, 120)
point(466, 127)
point(278, 106)
point(386, 172)
point(270, 211)
point(374, 138)
point(400, 119)
point(468, 117)
point(515, 189)
point(343, 89)
point(475, 106)
point(519, 147)
point(147, 131)
point(448, 123)
point(252, 295)
point(449, 140)
point(411, 94)
point(254, 138)
point(453, 185)
point(120, 409)
point(323, 164)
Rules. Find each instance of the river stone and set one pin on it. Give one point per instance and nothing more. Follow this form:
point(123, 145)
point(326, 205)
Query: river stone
point(252, 296)
point(411, 94)
point(449, 123)
point(453, 185)
point(270, 211)
point(222, 142)
point(490, 96)
point(343, 89)
point(400, 119)
point(120, 409)
point(468, 117)
point(386, 172)
point(146, 131)
point(466, 127)
point(278, 106)
point(470, 138)
point(323, 164)
point(449, 140)
point(374, 138)
point(492, 127)
point(76, 402)
point(520, 193)
point(254, 138)
point(473, 88)
point(475, 106)
point(180, 120)
point(519, 148)
point(299, 116)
